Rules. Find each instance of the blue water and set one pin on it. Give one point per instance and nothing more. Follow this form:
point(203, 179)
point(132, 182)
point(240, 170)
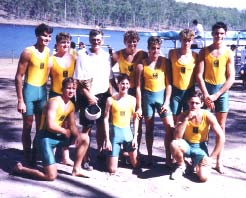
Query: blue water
point(14, 38)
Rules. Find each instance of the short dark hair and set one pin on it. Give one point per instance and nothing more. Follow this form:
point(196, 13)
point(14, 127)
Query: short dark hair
point(66, 81)
point(122, 77)
point(95, 32)
point(219, 25)
point(195, 22)
point(154, 40)
point(196, 93)
point(62, 35)
point(131, 35)
point(40, 29)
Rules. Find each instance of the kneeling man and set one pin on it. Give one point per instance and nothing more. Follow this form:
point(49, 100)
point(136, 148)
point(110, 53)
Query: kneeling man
point(191, 135)
point(53, 134)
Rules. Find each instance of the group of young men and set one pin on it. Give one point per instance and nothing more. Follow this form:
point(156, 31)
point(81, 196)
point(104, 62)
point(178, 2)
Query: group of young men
point(147, 81)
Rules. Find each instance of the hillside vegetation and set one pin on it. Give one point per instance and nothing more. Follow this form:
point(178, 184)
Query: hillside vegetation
point(154, 15)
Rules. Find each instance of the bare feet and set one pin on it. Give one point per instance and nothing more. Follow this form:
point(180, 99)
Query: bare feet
point(78, 172)
point(17, 168)
point(67, 162)
point(219, 168)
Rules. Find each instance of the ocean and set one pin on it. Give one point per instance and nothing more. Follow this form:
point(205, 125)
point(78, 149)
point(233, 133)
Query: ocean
point(14, 38)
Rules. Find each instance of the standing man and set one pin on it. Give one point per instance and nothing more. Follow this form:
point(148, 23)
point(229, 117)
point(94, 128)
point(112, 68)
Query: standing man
point(32, 96)
point(183, 63)
point(215, 75)
point(94, 75)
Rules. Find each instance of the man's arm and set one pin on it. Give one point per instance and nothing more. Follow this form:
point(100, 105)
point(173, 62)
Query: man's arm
point(21, 70)
point(135, 124)
point(220, 136)
point(139, 75)
point(108, 144)
point(168, 85)
point(200, 79)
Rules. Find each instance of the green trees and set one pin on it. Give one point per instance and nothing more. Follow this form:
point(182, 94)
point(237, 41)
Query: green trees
point(155, 14)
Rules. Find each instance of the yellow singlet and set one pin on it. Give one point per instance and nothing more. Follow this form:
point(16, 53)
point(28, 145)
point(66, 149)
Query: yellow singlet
point(122, 111)
point(197, 133)
point(154, 79)
point(60, 113)
point(183, 74)
point(58, 74)
point(215, 67)
point(37, 68)
point(128, 68)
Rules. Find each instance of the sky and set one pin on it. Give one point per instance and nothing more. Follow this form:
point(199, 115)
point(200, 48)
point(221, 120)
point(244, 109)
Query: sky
point(239, 4)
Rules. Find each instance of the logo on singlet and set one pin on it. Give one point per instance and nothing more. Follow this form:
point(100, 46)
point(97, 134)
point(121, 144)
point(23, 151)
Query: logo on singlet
point(65, 74)
point(41, 65)
point(216, 63)
point(62, 118)
point(130, 68)
point(195, 129)
point(122, 113)
point(182, 70)
point(155, 75)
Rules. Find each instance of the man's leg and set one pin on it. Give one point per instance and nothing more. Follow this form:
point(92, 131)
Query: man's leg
point(221, 118)
point(26, 137)
point(80, 153)
point(49, 174)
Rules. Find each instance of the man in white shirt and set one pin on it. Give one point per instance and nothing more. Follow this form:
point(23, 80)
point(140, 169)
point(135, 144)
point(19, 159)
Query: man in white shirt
point(94, 76)
point(199, 32)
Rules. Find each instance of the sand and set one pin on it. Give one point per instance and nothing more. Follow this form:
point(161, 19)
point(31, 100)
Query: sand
point(149, 182)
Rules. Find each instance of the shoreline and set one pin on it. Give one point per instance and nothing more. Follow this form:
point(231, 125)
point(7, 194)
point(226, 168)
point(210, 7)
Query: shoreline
point(68, 25)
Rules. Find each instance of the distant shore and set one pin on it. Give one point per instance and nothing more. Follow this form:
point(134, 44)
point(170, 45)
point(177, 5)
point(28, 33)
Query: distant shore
point(68, 24)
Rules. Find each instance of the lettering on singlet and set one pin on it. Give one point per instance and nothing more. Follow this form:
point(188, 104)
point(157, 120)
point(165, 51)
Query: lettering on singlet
point(122, 113)
point(195, 129)
point(182, 70)
point(216, 63)
point(130, 68)
point(155, 75)
point(62, 118)
point(65, 74)
point(41, 65)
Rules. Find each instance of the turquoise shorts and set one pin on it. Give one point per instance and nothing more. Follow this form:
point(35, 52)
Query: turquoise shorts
point(118, 137)
point(178, 100)
point(46, 142)
point(35, 99)
point(152, 101)
point(222, 103)
point(196, 151)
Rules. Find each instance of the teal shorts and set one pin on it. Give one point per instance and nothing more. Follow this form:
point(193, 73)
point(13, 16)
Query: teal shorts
point(35, 99)
point(222, 103)
point(46, 142)
point(118, 137)
point(178, 100)
point(196, 151)
point(152, 101)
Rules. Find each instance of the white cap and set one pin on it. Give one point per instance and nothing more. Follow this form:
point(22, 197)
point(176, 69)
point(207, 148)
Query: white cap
point(92, 112)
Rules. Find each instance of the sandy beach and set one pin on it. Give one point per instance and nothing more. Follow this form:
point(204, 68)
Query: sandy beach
point(148, 182)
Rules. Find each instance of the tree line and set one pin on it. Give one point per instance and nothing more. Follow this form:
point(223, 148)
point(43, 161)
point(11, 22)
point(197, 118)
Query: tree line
point(155, 14)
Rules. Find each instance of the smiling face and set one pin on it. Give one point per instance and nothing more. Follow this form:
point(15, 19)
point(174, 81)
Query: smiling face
point(96, 41)
point(44, 39)
point(69, 90)
point(219, 35)
point(63, 45)
point(124, 86)
point(154, 50)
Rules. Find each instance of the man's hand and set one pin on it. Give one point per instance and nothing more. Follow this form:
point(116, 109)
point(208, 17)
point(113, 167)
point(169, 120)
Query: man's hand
point(21, 107)
point(108, 145)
